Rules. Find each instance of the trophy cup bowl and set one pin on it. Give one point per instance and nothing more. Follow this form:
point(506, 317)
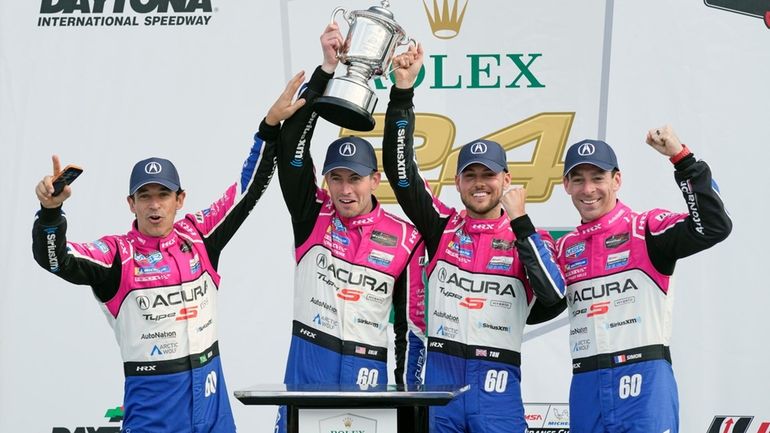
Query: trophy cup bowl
point(373, 36)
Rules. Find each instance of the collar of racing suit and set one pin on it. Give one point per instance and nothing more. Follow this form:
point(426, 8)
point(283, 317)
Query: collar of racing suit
point(154, 242)
point(607, 221)
point(477, 225)
point(366, 219)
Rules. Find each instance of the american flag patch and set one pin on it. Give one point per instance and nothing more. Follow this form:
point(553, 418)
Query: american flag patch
point(361, 350)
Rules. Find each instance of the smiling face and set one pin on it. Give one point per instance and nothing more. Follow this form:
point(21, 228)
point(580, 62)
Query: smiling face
point(593, 190)
point(480, 190)
point(351, 193)
point(155, 208)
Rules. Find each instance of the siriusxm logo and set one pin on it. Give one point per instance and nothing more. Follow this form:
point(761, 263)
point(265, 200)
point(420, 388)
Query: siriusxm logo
point(403, 182)
point(299, 153)
point(53, 261)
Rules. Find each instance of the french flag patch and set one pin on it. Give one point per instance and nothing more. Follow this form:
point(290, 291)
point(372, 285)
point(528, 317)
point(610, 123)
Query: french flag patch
point(620, 359)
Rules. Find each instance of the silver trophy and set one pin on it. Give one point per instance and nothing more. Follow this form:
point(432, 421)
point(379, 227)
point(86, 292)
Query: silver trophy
point(372, 38)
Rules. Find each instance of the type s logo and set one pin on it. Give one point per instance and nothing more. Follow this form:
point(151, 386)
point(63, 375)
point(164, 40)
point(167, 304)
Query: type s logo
point(349, 294)
point(598, 309)
point(187, 313)
point(473, 303)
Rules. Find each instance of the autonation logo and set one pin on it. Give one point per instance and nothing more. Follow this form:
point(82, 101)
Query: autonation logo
point(124, 13)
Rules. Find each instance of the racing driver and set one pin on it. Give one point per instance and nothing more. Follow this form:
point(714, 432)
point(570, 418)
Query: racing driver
point(158, 284)
point(490, 271)
point(354, 260)
point(618, 265)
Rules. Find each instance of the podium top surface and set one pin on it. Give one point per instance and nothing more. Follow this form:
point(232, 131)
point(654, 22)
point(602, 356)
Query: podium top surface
point(349, 395)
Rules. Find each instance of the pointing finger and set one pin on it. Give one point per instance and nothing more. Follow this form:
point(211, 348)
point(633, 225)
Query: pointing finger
point(56, 165)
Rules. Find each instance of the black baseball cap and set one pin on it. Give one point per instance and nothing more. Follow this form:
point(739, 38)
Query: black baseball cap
point(154, 170)
point(594, 152)
point(353, 153)
point(486, 152)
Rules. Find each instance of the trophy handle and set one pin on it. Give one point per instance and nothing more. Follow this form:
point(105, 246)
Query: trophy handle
point(349, 20)
point(345, 15)
point(386, 75)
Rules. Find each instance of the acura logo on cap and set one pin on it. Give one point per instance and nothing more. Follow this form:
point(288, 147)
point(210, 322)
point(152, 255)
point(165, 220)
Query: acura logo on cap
point(586, 149)
point(478, 148)
point(153, 168)
point(348, 149)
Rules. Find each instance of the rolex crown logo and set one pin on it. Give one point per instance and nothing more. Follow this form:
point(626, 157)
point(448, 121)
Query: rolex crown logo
point(348, 422)
point(445, 24)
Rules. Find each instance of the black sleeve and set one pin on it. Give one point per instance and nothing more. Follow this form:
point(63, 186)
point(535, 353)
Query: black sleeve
point(403, 173)
point(706, 224)
point(537, 253)
point(541, 313)
point(225, 216)
point(400, 326)
point(296, 172)
point(50, 250)
point(408, 325)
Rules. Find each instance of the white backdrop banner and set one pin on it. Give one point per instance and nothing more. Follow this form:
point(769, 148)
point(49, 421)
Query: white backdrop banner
point(105, 83)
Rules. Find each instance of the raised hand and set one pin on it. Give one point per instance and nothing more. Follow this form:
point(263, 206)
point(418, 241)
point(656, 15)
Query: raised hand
point(44, 188)
point(285, 106)
point(664, 140)
point(513, 201)
point(407, 66)
point(331, 44)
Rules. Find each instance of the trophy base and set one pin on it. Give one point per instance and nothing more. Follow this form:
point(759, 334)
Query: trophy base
point(348, 104)
point(343, 113)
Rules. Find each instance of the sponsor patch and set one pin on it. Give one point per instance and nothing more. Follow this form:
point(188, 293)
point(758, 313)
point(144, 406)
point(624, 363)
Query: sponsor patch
point(148, 270)
point(575, 273)
point(195, 264)
point(617, 260)
point(447, 331)
point(336, 237)
point(338, 225)
point(577, 264)
point(465, 252)
point(500, 263)
point(376, 299)
point(502, 328)
point(384, 239)
point(463, 238)
point(502, 245)
point(152, 258)
point(616, 240)
point(574, 251)
point(102, 247)
point(581, 345)
point(625, 301)
point(326, 322)
point(380, 258)
point(500, 304)
point(632, 321)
